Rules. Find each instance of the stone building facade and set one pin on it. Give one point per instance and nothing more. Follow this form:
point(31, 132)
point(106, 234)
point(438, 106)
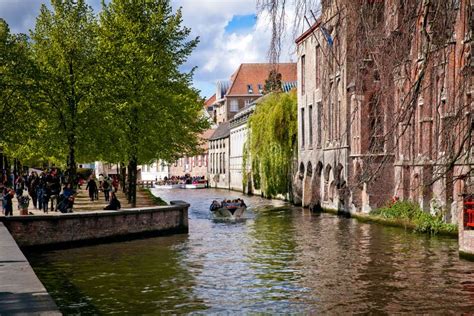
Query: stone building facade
point(359, 146)
point(218, 167)
point(323, 113)
point(238, 137)
point(157, 170)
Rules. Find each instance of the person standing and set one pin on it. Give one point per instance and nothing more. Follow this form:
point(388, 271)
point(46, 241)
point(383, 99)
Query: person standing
point(33, 187)
point(8, 201)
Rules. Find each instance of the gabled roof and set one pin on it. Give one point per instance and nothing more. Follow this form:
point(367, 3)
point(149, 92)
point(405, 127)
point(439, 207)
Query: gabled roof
point(210, 101)
point(222, 131)
point(204, 136)
point(252, 75)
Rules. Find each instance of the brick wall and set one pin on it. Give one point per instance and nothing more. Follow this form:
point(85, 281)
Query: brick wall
point(93, 227)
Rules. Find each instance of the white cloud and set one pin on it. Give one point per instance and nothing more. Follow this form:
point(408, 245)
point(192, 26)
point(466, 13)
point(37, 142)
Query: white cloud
point(218, 54)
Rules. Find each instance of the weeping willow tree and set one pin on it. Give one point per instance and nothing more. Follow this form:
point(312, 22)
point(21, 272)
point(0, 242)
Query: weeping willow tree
point(271, 144)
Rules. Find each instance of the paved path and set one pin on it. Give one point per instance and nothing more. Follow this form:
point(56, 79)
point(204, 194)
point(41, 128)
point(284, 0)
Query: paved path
point(21, 292)
point(83, 203)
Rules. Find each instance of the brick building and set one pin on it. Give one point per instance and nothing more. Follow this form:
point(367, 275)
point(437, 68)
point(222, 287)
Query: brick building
point(195, 166)
point(246, 84)
point(375, 125)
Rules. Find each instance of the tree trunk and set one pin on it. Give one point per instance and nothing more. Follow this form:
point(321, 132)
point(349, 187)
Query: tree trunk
point(133, 157)
point(132, 181)
point(71, 138)
point(71, 162)
point(123, 177)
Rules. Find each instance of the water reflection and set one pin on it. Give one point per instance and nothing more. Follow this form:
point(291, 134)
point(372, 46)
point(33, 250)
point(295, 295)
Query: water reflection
point(279, 259)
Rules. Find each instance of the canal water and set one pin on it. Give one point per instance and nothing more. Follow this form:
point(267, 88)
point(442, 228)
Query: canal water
point(279, 259)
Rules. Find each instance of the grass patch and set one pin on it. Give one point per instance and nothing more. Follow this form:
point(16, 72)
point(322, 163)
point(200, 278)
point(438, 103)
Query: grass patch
point(409, 215)
point(155, 199)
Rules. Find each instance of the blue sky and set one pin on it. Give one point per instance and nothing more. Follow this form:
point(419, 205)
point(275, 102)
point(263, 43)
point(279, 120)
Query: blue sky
point(229, 30)
point(241, 23)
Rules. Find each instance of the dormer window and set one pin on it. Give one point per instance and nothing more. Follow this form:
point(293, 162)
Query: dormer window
point(249, 88)
point(260, 88)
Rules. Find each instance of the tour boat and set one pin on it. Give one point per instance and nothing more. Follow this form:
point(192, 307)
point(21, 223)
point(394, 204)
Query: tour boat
point(168, 186)
point(195, 185)
point(229, 211)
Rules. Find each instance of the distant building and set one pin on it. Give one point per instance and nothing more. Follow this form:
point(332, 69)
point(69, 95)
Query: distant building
point(218, 169)
point(246, 85)
point(238, 137)
point(195, 166)
point(156, 170)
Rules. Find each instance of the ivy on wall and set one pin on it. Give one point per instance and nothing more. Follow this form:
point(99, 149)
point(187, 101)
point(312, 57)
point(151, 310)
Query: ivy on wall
point(271, 144)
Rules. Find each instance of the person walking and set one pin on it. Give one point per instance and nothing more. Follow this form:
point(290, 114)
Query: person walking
point(106, 188)
point(92, 187)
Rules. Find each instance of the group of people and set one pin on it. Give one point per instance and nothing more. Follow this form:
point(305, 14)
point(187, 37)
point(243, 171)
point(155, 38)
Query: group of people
point(43, 189)
point(230, 204)
point(186, 179)
point(49, 191)
point(108, 185)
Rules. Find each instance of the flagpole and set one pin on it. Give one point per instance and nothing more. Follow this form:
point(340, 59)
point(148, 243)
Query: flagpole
point(334, 55)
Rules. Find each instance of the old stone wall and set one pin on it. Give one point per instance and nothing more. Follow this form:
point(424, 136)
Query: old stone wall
point(93, 227)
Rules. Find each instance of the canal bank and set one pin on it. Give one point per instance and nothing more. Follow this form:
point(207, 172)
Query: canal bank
point(21, 292)
point(59, 230)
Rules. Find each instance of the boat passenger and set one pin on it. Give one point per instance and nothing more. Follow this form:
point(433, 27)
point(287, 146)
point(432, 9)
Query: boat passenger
point(215, 205)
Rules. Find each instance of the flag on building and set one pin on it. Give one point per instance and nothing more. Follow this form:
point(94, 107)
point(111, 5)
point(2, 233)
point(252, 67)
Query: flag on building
point(327, 35)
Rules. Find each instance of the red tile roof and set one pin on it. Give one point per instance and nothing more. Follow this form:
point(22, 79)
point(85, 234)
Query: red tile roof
point(204, 136)
point(210, 101)
point(255, 74)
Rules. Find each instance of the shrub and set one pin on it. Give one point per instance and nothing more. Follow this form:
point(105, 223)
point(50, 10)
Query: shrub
point(411, 213)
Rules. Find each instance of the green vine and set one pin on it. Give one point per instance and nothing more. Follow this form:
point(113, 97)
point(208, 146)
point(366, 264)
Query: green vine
point(271, 144)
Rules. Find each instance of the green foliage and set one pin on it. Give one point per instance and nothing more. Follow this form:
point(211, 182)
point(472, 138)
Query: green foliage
point(271, 143)
point(64, 49)
point(155, 199)
point(156, 115)
point(410, 212)
point(17, 71)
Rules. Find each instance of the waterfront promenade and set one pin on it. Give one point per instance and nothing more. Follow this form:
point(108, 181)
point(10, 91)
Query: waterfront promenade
point(82, 203)
point(20, 289)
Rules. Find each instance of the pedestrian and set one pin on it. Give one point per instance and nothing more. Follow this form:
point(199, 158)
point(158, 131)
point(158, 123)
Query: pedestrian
point(92, 187)
point(33, 188)
point(8, 201)
point(106, 188)
point(23, 203)
point(115, 183)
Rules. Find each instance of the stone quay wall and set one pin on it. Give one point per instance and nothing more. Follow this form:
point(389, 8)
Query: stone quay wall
point(67, 230)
